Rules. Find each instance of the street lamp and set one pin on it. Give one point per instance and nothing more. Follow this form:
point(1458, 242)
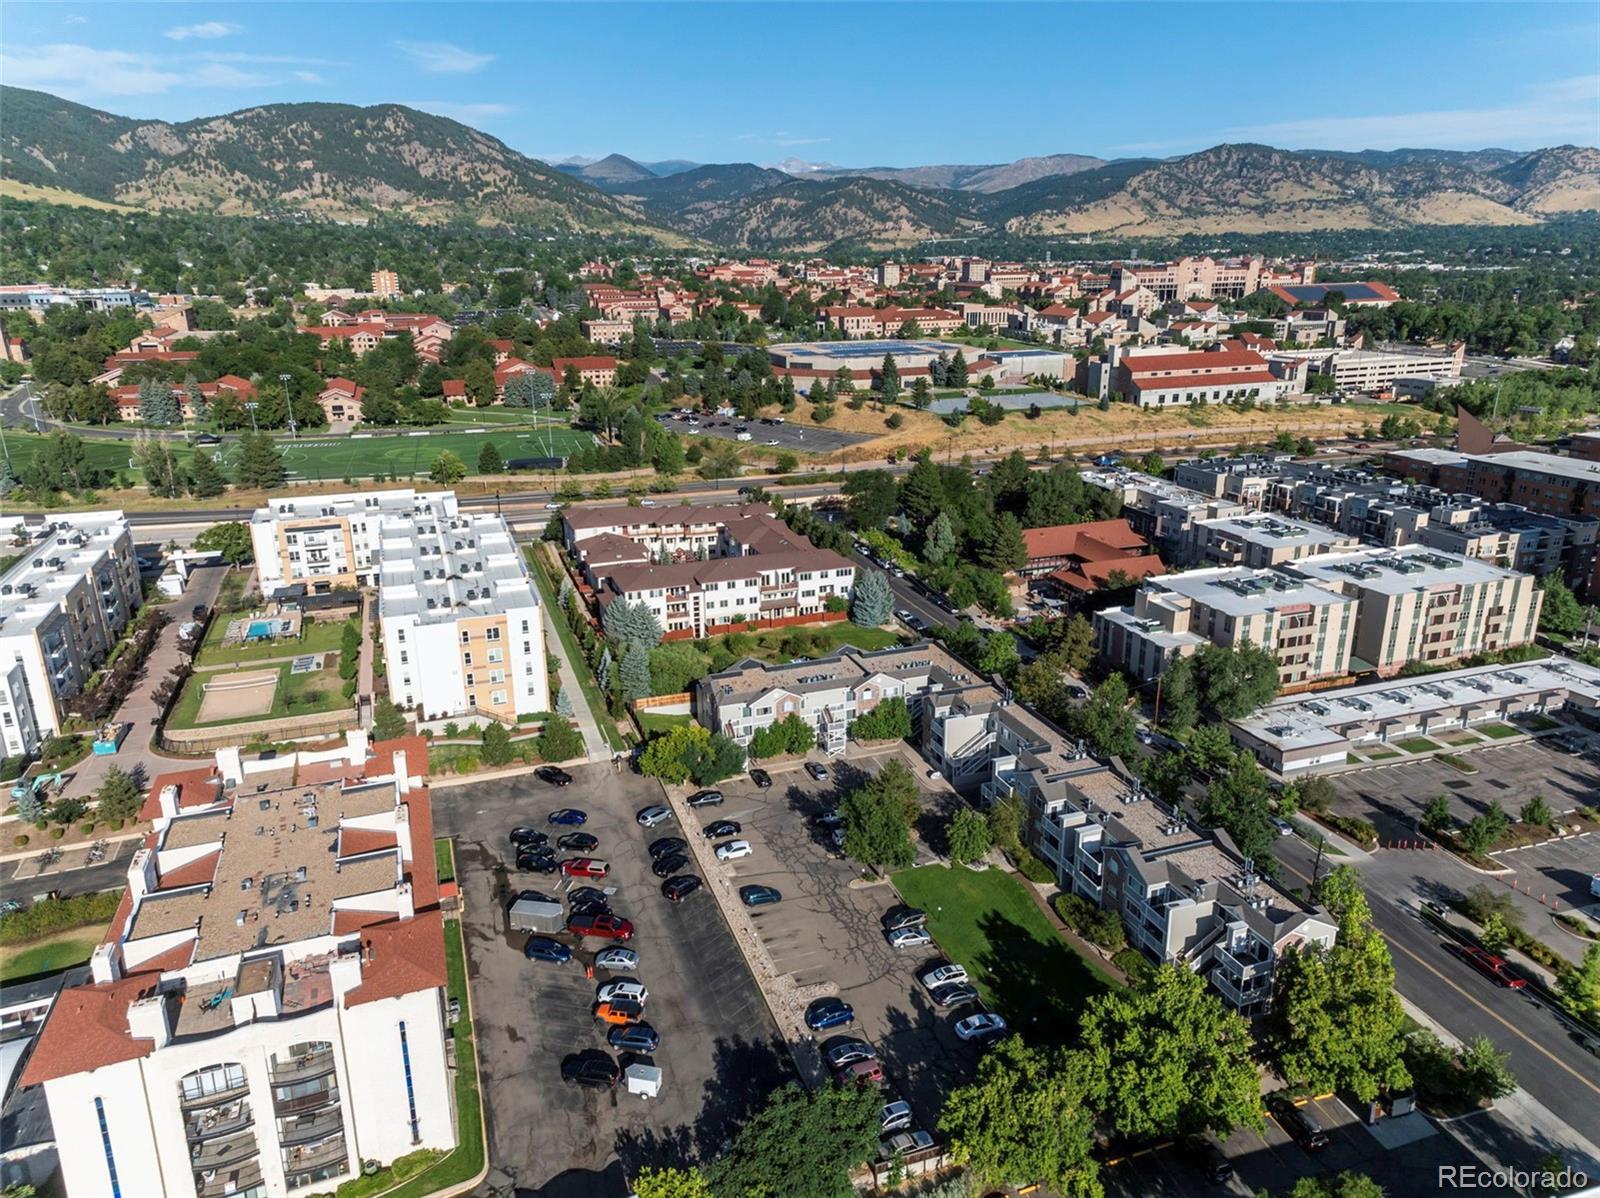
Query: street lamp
point(288, 405)
point(251, 408)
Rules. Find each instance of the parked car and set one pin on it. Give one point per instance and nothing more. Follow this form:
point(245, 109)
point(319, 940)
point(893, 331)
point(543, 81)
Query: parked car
point(537, 863)
point(955, 994)
point(679, 888)
point(761, 778)
point(903, 917)
point(620, 1012)
point(530, 896)
point(542, 948)
point(632, 991)
point(585, 867)
point(904, 1142)
point(829, 1012)
point(524, 835)
point(943, 975)
point(1492, 967)
point(1212, 1162)
point(1300, 1124)
point(848, 1049)
point(980, 1027)
point(605, 927)
point(1285, 828)
point(910, 938)
point(590, 1068)
point(618, 960)
point(641, 1037)
point(586, 894)
point(894, 1116)
point(665, 867)
point(667, 846)
point(759, 896)
point(554, 775)
point(653, 815)
point(723, 827)
point(592, 907)
point(827, 819)
point(863, 1073)
point(817, 770)
point(569, 815)
point(733, 850)
point(706, 798)
point(578, 842)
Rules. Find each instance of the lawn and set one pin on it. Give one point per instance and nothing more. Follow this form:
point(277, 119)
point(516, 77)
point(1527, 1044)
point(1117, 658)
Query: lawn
point(570, 652)
point(50, 955)
point(987, 922)
point(1382, 755)
point(654, 722)
point(1497, 731)
point(1418, 744)
point(325, 636)
point(473, 417)
point(296, 694)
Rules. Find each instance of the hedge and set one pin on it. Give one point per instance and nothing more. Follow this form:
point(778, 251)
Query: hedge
point(49, 916)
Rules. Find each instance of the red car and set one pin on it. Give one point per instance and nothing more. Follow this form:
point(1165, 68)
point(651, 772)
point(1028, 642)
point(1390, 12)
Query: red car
point(1493, 967)
point(863, 1073)
point(607, 927)
point(585, 867)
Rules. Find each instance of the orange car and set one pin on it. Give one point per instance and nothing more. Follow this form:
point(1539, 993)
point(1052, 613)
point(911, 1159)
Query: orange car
point(619, 1011)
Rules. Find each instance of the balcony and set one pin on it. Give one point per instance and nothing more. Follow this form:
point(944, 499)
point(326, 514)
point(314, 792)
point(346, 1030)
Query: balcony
point(195, 1102)
point(305, 1129)
point(231, 1182)
point(305, 1103)
point(304, 1068)
point(304, 1158)
point(220, 1154)
point(218, 1121)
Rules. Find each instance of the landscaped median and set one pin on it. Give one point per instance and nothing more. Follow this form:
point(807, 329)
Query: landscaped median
point(987, 922)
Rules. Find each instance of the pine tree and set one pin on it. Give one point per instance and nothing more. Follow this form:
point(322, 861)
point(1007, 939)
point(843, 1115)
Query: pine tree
point(489, 460)
point(889, 379)
point(156, 405)
point(7, 479)
point(197, 399)
point(563, 703)
point(939, 370)
point(636, 671)
point(921, 394)
point(957, 374)
point(871, 600)
point(205, 480)
point(260, 463)
point(1007, 550)
point(940, 542)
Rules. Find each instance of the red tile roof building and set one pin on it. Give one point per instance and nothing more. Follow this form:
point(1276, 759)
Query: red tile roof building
point(1082, 557)
point(1161, 378)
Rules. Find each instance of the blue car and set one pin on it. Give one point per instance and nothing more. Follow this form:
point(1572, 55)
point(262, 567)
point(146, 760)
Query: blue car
point(759, 896)
point(570, 816)
point(640, 1037)
point(542, 948)
point(827, 1013)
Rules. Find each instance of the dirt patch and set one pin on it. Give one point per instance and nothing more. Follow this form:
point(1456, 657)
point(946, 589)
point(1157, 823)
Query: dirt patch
point(238, 696)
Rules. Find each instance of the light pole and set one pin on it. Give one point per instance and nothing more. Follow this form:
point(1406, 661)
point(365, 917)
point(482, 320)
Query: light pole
point(288, 404)
point(251, 408)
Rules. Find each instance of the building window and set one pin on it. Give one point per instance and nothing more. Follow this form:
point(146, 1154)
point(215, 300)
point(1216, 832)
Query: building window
point(411, 1093)
point(105, 1142)
point(498, 698)
point(492, 634)
point(466, 636)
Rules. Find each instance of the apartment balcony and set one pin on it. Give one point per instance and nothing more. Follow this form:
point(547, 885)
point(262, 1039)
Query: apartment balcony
point(222, 1154)
point(213, 1098)
point(306, 1129)
point(304, 1158)
point(218, 1121)
point(1244, 962)
point(305, 1103)
point(232, 1183)
point(302, 1069)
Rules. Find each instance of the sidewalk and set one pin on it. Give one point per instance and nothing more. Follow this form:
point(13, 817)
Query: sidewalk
point(599, 748)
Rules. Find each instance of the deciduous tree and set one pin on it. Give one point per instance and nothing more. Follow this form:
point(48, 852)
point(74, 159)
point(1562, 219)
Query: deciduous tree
point(802, 1144)
point(968, 836)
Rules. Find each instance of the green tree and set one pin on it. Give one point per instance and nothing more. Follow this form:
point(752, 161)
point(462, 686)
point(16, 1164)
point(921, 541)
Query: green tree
point(260, 463)
point(231, 539)
point(489, 460)
point(869, 499)
point(652, 1182)
point(669, 756)
point(631, 623)
point(1167, 1058)
point(447, 469)
point(1536, 813)
point(206, 481)
point(1483, 1070)
point(1236, 681)
point(497, 748)
point(1077, 643)
point(1025, 1120)
point(635, 671)
point(802, 1144)
point(1561, 612)
point(956, 375)
point(968, 836)
point(119, 797)
point(877, 818)
point(939, 543)
point(1345, 1185)
point(1436, 816)
point(1237, 800)
point(479, 378)
point(1105, 720)
point(388, 723)
point(1494, 933)
point(158, 462)
point(559, 740)
point(1000, 654)
point(1006, 551)
point(871, 600)
point(889, 720)
point(1180, 698)
point(921, 394)
point(1579, 986)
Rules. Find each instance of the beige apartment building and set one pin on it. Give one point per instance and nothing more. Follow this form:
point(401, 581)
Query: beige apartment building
point(1260, 540)
point(1418, 604)
point(385, 284)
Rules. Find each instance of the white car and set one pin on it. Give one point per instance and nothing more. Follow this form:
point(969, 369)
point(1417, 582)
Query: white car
point(895, 1116)
point(943, 975)
point(910, 938)
point(743, 437)
point(1285, 828)
point(975, 1027)
point(622, 960)
point(552, 507)
point(615, 991)
point(733, 850)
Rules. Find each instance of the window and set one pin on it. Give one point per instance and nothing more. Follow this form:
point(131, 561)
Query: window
point(492, 634)
point(411, 1093)
point(471, 680)
point(105, 1142)
point(466, 636)
point(405, 658)
point(466, 659)
point(524, 628)
point(498, 698)
point(496, 655)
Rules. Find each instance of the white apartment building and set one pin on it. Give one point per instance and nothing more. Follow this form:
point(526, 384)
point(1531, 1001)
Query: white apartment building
point(1372, 370)
point(1260, 540)
point(62, 607)
point(268, 1009)
point(463, 630)
point(325, 542)
point(700, 598)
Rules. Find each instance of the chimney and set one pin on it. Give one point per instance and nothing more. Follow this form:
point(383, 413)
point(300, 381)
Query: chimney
point(168, 799)
point(402, 779)
point(356, 746)
point(406, 908)
point(143, 876)
point(104, 964)
point(147, 1020)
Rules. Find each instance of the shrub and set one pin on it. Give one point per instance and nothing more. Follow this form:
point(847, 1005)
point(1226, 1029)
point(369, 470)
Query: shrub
point(21, 841)
point(87, 827)
point(1035, 870)
point(968, 836)
point(1359, 830)
point(48, 916)
point(466, 764)
point(1133, 963)
point(57, 833)
point(889, 720)
point(1075, 910)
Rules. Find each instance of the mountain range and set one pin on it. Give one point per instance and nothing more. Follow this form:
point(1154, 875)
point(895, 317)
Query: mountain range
point(344, 161)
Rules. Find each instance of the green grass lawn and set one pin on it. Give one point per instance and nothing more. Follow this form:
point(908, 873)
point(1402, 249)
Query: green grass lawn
point(1418, 744)
point(785, 644)
point(1497, 731)
point(473, 417)
point(570, 652)
point(653, 722)
point(297, 694)
point(58, 952)
point(987, 922)
point(444, 861)
point(1382, 755)
point(325, 636)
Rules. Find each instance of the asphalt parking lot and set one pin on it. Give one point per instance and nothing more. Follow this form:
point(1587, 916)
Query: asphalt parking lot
point(803, 438)
point(825, 930)
point(720, 1050)
point(1393, 795)
point(1559, 869)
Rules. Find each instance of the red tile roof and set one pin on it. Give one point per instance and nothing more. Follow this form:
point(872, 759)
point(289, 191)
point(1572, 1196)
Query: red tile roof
point(1198, 360)
point(196, 788)
point(1094, 540)
point(1091, 575)
point(401, 956)
point(88, 1029)
point(455, 389)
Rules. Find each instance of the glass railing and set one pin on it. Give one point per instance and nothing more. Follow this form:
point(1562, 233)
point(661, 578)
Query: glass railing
point(304, 1068)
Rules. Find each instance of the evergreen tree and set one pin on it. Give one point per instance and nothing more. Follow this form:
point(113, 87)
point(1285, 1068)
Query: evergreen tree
point(479, 377)
point(563, 703)
point(636, 671)
point(957, 374)
point(921, 394)
point(889, 379)
point(7, 480)
point(260, 463)
point(489, 460)
point(940, 542)
point(1180, 700)
point(156, 404)
point(197, 399)
point(1007, 550)
point(872, 599)
point(939, 370)
point(206, 481)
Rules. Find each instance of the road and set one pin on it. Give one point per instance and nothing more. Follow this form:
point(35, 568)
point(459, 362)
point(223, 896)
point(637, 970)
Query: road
point(1544, 1054)
point(909, 597)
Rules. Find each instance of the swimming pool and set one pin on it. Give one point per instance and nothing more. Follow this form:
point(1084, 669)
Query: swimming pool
point(261, 628)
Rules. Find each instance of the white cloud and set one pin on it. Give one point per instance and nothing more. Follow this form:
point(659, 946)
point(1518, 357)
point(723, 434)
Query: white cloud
point(308, 77)
point(442, 58)
point(206, 31)
point(460, 112)
point(295, 60)
point(75, 20)
point(782, 138)
point(1559, 110)
point(78, 71)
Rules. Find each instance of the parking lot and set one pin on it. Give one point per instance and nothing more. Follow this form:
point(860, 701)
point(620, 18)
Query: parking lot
point(802, 438)
point(1393, 796)
point(720, 1050)
point(1270, 1160)
point(825, 930)
point(1560, 870)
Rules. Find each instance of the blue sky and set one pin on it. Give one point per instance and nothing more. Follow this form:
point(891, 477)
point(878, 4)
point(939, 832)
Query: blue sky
point(894, 84)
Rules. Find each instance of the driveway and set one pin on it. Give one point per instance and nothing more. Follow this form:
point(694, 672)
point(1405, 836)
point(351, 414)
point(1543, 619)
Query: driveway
point(827, 931)
point(720, 1051)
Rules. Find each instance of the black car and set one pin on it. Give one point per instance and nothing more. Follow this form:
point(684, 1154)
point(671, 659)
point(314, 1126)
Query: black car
point(586, 894)
point(590, 1068)
point(531, 863)
point(207, 439)
point(592, 907)
point(1212, 1162)
point(722, 828)
point(665, 867)
point(1300, 1125)
point(528, 896)
point(524, 835)
point(679, 888)
point(706, 798)
point(904, 917)
point(761, 778)
point(554, 775)
point(827, 819)
point(667, 846)
point(579, 842)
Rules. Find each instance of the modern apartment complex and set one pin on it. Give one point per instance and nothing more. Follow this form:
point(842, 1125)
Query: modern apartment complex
point(1309, 628)
point(268, 1009)
point(1260, 540)
point(326, 542)
point(63, 605)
